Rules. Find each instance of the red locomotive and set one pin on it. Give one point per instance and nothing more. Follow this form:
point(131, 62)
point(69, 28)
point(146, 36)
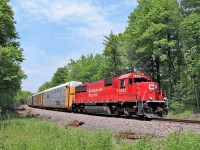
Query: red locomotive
point(130, 94)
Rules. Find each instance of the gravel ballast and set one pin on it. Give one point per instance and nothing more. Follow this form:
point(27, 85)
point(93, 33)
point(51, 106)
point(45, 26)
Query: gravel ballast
point(114, 124)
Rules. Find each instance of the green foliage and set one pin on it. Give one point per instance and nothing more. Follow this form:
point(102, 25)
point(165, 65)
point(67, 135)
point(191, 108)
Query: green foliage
point(112, 54)
point(7, 24)
point(191, 6)
point(44, 86)
point(190, 32)
point(162, 39)
point(87, 68)
point(10, 57)
point(153, 32)
point(11, 74)
point(59, 77)
point(190, 35)
point(22, 97)
point(177, 107)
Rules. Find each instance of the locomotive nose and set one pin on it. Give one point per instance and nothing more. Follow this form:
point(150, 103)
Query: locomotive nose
point(153, 86)
point(154, 92)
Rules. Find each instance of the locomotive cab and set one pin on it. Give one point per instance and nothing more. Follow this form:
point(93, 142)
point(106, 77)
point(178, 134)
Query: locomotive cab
point(151, 103)
point(142, 96)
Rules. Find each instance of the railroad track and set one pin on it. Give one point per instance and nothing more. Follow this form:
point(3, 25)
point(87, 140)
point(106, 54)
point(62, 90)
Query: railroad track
point(178, 120)
point(157, 119)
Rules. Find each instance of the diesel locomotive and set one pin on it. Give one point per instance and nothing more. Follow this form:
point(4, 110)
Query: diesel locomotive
point(129, 94)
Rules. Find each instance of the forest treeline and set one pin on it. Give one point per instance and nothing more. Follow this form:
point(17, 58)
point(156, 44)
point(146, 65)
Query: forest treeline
point(11, 57)
point(162, 39)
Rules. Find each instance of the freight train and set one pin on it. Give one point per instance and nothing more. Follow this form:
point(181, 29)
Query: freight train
point(129, 94)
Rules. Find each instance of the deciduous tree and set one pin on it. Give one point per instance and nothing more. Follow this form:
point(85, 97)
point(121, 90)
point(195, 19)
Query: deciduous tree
point(153, 32)
point(44, 86)
point(112, 54)
point(60, 76)
point(11, 57)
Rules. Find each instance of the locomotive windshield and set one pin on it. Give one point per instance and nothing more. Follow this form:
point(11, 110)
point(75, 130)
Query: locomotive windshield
point(140, 80)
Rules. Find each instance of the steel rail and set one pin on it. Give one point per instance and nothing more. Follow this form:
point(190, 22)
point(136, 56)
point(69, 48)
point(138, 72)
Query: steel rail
point(178, 120)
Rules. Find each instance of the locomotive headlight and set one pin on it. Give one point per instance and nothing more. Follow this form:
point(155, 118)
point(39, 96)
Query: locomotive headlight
point(150, 98)
point(165, 98)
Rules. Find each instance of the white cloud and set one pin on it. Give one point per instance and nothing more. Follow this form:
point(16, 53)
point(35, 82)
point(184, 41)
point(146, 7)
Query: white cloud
point(94, 20)
point(60, 9)
point(83, 21)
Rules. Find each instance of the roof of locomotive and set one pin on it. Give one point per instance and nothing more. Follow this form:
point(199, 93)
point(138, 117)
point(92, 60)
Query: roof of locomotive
point(71, 83)
point(124, 76)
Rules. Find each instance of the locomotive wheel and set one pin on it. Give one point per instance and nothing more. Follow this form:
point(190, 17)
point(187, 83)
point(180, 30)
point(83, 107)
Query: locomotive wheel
point(78, 110)
point(127, 113)
point(164, 113)
point(118, 113)
point(141, 117)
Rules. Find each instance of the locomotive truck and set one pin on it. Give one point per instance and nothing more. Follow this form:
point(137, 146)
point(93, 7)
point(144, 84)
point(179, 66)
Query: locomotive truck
point(129, 94)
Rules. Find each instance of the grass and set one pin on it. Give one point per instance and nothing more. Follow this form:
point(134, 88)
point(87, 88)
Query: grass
point(183, 141)
point(187, 114)
point(34, 134)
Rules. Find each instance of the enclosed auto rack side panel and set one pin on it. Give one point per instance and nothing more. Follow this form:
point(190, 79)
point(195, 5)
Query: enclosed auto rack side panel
point(71, 95)
point(55, 98)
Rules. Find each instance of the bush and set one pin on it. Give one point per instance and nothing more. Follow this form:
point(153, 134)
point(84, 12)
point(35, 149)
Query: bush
point(177, 107)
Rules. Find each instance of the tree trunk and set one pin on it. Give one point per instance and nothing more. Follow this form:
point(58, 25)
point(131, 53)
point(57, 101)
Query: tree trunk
point(169, 68)
point(157, 61)
point(152, 69)
point(196, 96)
point(115, 62)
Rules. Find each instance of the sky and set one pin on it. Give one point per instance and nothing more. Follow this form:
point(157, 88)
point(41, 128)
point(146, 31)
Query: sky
point(54, 31)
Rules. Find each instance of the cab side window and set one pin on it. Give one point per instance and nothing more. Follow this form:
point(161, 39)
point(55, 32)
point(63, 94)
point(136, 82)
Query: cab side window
point(130, 81)
point(122, 83)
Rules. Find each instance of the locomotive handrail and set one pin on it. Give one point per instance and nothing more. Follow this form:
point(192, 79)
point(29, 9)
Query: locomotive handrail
point(138, 91)
point(144, 94)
